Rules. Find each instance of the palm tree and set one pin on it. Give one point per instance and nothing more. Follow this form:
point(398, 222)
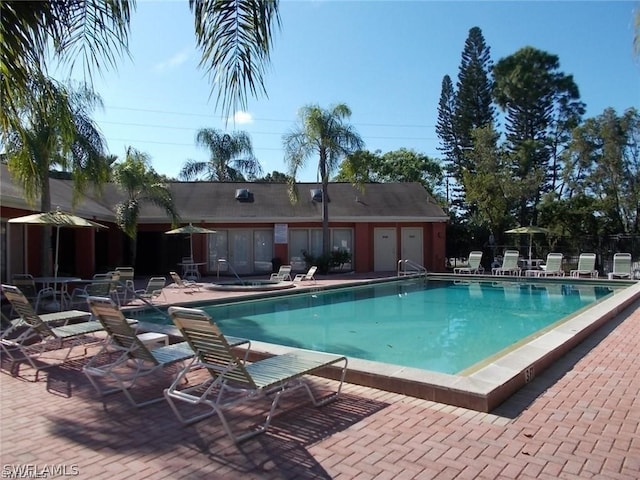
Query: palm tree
point(231, 156)
point(140, 184)
point(234, 36)
point(55, 130)
point(326, 133)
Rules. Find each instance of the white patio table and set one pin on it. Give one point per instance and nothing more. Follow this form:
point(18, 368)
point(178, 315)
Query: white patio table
point(60, 286)
point(191, 270)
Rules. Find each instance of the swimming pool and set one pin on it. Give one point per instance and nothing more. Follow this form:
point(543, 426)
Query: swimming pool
point(437, 325)
point(488, 382)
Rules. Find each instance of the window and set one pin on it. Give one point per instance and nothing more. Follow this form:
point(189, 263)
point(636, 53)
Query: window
point(310, 241)
point(315, 247)
point(298, 243)
point(304, 240)
point(342, 241)
point(262, 250)
point(218, 249)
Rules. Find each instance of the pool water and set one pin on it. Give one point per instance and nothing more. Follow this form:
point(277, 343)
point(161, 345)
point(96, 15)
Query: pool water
point(442, 326)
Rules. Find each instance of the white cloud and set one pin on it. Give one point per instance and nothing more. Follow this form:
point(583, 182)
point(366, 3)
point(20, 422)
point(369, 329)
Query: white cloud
point(242, 118)
point(173, 62)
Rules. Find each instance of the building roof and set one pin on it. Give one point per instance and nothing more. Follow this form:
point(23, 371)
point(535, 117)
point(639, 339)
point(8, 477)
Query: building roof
point(12, 195)
point(216, 202)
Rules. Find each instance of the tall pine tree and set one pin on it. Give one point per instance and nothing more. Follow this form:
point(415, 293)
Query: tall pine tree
point(474, 108)
point(461, 112)
point(446, 131)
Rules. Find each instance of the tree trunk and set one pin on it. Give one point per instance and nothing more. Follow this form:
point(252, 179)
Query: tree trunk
point(326, 239)
point(325, 203)
point(133, 248)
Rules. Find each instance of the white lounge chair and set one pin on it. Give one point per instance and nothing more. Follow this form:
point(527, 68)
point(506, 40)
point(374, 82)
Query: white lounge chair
point(179, 282)
point(40, 334)
point(125, 287)
point(509, 264)
point(133, 358)
point(153, 289)
point(621, 266)
point(284, 273)
point(309, 276)
point(552, 266)
point(101, 286)
point(27, 285)
point(232, 381)
point(473, 264)
point(586, 266)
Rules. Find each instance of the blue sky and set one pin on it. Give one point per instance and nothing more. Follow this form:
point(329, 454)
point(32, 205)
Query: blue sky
point(384, 59)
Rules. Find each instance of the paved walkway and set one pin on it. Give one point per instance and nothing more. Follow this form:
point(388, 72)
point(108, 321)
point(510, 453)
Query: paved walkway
point(578, 420)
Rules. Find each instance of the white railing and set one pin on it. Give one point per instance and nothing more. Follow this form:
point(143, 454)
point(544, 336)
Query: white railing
point(223, 261)
point(409, 267)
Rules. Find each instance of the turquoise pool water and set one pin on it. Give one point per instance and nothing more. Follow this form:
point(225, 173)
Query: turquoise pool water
point(435, 325)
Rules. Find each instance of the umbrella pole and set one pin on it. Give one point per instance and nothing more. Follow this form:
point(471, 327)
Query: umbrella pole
point(55, 268)
point(55, 261)
point(191, 246)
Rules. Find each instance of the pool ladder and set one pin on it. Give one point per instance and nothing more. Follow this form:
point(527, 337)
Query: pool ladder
point(409, 267)
point(224, 262)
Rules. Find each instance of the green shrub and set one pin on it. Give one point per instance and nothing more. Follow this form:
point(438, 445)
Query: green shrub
point(325, 263)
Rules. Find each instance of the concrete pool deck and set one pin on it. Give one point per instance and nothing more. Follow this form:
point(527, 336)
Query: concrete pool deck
point(580, 418)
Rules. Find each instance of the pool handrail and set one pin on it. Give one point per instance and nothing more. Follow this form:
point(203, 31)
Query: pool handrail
point(414, 268)
point(224, 260)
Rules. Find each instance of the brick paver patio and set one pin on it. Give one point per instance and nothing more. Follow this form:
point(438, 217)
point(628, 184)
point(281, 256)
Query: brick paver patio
point(578, 420)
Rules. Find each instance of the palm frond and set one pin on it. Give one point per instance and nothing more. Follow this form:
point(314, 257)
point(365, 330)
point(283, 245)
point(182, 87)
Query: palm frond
point(192, 169)
point(24, 40)
point(93, 32)
point(235, 37)
point(250, 166)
